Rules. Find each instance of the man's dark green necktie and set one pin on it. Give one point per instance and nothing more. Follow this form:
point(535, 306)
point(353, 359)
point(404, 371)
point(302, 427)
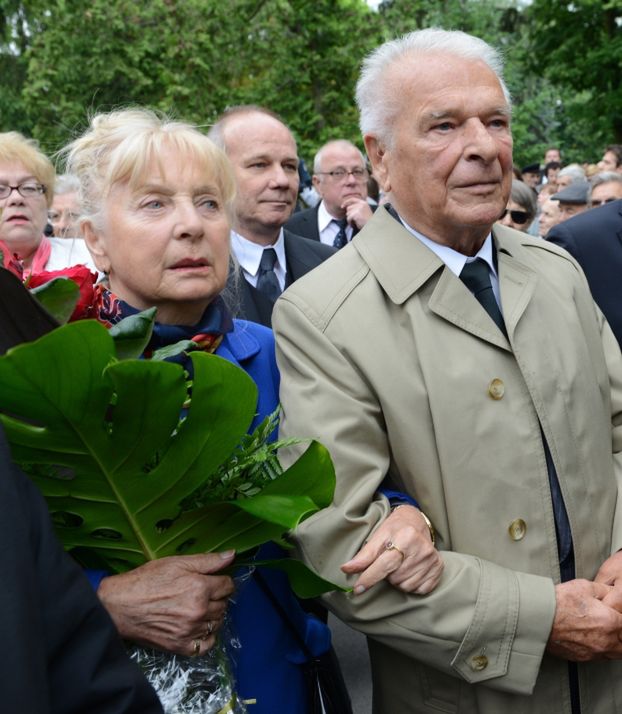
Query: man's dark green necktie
point(476, 276)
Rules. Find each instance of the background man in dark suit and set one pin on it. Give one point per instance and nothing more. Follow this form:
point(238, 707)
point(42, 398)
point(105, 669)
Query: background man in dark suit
point(594, 238)
point(265, 160)
point(340, 177)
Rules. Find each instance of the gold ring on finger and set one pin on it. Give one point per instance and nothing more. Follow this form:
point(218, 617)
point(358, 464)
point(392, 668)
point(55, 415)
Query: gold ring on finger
point(196, 648)
point(391, 546)
point(208, 630)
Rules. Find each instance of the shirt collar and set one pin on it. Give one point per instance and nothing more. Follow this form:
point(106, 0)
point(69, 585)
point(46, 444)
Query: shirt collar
point(249, 254)
point(454, 260)
point(323, 217)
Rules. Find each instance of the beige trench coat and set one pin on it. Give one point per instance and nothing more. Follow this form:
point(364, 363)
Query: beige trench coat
point(389, 361)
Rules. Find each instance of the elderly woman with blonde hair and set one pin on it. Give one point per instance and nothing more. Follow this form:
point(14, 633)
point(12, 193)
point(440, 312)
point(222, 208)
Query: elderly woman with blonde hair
point(26, 193)
point(156, 199)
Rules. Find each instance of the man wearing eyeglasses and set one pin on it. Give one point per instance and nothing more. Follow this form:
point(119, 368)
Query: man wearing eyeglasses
point(340, 177)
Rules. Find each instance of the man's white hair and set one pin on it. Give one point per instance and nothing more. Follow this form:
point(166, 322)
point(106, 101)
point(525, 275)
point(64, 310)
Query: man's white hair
point(343, 143)
point(576, 172)
point(379, 102)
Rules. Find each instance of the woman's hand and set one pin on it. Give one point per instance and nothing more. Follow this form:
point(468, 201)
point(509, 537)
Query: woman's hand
point(400, 551)
point(175, 604)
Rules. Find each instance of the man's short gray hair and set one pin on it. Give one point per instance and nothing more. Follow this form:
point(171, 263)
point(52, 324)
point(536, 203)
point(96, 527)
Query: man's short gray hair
point(317, 161)
point(377, 108)
point(217, 130)
point(600, 178)
point(575, 172)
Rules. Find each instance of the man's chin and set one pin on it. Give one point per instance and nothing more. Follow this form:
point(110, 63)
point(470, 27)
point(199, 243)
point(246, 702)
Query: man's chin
point(481, 213)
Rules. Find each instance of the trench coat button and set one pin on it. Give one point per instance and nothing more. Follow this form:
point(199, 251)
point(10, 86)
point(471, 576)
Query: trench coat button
point(479, 663)
point(517, 529)
point(496, 389)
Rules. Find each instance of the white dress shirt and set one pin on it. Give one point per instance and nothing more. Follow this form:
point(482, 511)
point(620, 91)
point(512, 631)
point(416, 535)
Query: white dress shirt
point(328, 230)
point(248, 255)
point(456, 261)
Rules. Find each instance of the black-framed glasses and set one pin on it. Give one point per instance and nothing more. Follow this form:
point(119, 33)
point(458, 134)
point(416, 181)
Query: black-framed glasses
point(519, 217)
point(340, 174)
point(27, 189)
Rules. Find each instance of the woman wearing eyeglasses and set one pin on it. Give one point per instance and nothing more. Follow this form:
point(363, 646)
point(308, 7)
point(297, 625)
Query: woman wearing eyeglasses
point(26, 193)
point(521, 208)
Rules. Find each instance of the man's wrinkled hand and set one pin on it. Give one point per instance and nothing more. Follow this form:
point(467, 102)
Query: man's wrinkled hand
point(585, 627)
point(610, 572)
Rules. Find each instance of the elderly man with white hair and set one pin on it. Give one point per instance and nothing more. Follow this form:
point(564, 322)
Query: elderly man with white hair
point(467, 364)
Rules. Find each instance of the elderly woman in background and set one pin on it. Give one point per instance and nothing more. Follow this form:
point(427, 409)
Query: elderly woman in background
point(521, 208)
point(156, 197)
point(26, 193)
point(65, 209)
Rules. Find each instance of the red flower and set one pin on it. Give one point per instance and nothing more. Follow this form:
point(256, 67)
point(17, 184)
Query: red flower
point(10, 261)
point(81, 276)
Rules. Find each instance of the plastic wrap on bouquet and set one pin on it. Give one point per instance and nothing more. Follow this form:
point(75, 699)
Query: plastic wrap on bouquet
point(190, 685)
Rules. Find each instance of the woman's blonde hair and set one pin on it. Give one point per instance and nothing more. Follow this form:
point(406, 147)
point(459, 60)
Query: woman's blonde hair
point(121, 145)
point(16, 147)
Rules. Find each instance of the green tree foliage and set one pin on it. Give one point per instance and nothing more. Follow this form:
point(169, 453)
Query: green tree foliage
point(195, 58)
point(578, 46)
point(61, 60)
point(17, 23)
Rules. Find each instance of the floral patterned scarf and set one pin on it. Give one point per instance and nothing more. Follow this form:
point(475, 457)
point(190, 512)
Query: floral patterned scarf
point(208, 333)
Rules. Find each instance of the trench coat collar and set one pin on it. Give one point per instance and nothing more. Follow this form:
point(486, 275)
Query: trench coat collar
point(403, 265)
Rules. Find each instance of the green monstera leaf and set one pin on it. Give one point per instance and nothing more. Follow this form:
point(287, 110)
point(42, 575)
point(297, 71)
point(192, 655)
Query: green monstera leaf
point(105, 442)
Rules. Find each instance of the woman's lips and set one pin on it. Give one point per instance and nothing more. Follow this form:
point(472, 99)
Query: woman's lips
point(190, 264)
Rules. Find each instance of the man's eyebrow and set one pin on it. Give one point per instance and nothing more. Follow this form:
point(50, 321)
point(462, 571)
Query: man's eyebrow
point(504, 110)
point(259, 156)
point(444, 114)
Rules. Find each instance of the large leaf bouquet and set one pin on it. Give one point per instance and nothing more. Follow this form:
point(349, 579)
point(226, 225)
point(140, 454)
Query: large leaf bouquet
point(138, 462)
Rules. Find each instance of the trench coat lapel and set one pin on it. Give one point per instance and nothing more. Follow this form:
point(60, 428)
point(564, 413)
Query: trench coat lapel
point(517, 280)
point(403, 266)
point(454, 302)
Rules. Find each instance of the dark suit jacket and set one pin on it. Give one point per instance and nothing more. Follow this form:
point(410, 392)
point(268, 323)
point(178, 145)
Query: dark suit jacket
point(301, 255)
point(62, 652)
point(304, 223)
point(594, 239)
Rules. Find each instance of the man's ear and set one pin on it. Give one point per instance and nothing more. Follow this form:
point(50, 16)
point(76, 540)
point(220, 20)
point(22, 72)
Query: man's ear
point(315, 180)
point(95, 244)
point(377, 153)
